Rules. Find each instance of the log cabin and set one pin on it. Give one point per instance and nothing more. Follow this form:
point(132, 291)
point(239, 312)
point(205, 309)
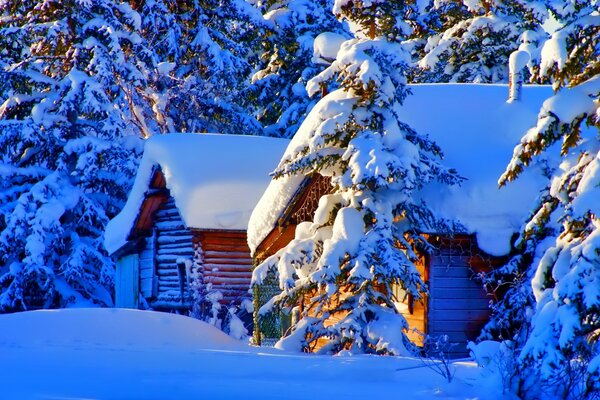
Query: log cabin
point(182, 232)
point(476, 129)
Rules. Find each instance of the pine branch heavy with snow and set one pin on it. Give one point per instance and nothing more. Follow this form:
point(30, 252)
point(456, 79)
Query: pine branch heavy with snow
point(472, 40)
point(287, 62)
point(364, 236)
point(560, 354)
point(203, 52)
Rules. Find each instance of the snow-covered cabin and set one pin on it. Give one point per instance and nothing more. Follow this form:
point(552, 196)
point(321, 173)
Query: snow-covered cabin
point(183, 227)
point(477, 131)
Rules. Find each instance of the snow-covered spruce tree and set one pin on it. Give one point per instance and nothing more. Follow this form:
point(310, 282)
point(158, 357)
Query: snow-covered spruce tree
point(278, 89)
point(511, 283)
point(561, 349)
point(66, 162)
point(364, 235)
point(204, 51)
point(474, 39)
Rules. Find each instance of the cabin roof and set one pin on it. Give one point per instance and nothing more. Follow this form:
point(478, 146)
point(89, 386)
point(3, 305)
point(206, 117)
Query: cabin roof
point(215, 180)
point(477, 131)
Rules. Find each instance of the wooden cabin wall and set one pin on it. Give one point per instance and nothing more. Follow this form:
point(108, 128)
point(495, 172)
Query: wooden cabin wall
point(227, 265)
point(415, 311)
point(458, 305)
point(172, 241)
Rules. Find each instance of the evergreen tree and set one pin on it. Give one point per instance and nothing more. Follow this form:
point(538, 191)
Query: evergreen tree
point(204, 52)
point(560, 354)
point(471, 41)
point(511, 283)
point(66, 163)
point(278, 90)
point(364, 236)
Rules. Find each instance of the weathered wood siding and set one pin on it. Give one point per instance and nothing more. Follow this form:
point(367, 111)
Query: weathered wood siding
point(148, 279)
point(173, 241)
point(227, 266)
point(458, 305)
point(414, 310)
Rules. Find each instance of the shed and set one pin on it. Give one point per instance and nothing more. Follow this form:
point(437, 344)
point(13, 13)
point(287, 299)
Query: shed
point(182, 231)
point(477, 131)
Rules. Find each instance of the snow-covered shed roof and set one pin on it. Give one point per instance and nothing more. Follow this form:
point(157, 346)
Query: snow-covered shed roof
point(215, 180)
point(477, 131)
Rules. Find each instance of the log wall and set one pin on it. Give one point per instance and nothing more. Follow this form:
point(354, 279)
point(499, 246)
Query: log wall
point(458, 305)
point(227, 265)
point(173, 241)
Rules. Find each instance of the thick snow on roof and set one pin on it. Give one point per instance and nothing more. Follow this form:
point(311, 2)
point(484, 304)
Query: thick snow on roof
point(477, 130)
point(216, 180)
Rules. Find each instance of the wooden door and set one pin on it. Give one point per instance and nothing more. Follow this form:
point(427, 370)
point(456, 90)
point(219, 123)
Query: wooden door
point(127, 281)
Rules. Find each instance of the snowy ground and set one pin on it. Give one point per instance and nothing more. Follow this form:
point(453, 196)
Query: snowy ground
point(127, 354)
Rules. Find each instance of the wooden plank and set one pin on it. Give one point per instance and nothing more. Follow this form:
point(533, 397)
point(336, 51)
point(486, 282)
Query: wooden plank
point(454, 336)
point(219, 274)
point(173, 242)
point(223, 247)
point(276, 240)
point(169, 278)
point(226, 280)
point(462, 325)
point(460, 293)
point(443, 272)
point(227, 254)
point(174, 235)
point(175, 246)
point(163, 265)
point(183, 251)
point(210, 233)
point(454, 283)
point(146, 273)
point(158, 180)
point(166, 272)
point(146, 286)
point(170, 258)
point(211, 263)
point(458, 304)
point(454, 261)
point(230, 286)
point(226, 268)
point(226, 245)
point(227, 261)
point(170, 225)
point(443, 315)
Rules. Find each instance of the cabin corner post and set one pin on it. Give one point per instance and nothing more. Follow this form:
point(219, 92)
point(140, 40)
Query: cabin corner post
point(255, 319)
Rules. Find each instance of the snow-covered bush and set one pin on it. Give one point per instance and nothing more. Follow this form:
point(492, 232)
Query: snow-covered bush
point(364, 236)
point(436, 351)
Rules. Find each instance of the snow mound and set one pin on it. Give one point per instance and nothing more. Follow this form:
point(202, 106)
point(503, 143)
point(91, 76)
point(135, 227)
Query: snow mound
point(110, 328)
point(326, 47)
point(216, 180)
point(131, 354)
